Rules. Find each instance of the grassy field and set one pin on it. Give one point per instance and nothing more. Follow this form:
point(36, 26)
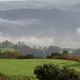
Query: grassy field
point(26, 67)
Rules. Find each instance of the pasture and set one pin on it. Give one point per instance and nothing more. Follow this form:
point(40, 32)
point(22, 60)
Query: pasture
point(15, 67)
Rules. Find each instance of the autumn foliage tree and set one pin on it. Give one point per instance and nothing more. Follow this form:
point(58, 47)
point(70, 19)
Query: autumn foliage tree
point(10, 54)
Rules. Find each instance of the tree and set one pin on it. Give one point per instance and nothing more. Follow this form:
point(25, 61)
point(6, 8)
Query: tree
point(65, 53)
point(10, 54)
point(53, 55)
point(29, 56)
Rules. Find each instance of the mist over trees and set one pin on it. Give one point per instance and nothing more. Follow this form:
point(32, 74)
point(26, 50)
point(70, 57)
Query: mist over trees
point(21, 49)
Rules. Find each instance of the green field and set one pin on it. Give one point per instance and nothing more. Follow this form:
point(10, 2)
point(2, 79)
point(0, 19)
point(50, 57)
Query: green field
point(26, 67)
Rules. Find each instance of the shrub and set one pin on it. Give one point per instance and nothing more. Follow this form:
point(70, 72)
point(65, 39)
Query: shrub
point(26, 57)
point(21, 57)
point(52, 72)
point(53, 55)
point(47, 72)
point(30, 56)
point(72, 58)
point(69, 74)
point(4, 77)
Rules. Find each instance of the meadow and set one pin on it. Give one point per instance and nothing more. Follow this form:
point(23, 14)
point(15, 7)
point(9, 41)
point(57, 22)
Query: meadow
point(15, 67)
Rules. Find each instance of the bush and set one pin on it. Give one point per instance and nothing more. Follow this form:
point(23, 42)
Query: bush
point(47, 72)
point(30, 56)
point(69, 74)
point(26, 57)
point(21, 57)
point(4, 77)
point(53, 55)
point(52, 72)
point(72, 58)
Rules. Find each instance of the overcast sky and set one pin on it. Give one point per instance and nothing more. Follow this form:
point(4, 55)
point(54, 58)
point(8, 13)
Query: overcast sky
point(11, 0)
point(59, 2)
point(41, 29)
point(62, 4)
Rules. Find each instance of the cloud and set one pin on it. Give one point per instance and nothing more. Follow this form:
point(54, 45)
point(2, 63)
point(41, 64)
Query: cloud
point(18, 23)
point(29, 40)
point(78, 31)
point(36, 41)
point(55, 2)
point(6, 21)
point(62, 4)
point(9, 26)
point(12, 0)
point(39, 32)
point(36, 35)
point(67, 42)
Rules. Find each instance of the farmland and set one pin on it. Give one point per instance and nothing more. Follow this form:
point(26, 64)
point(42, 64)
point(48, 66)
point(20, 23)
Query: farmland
point(15, 67)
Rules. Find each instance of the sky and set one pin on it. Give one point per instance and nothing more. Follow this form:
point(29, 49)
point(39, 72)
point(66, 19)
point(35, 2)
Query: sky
point(62, 4)
point(57, 2)
point(49, 1)
point(43, 29)
point(11, 0)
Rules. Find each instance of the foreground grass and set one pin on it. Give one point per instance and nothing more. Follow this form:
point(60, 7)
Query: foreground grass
point(14, 67)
